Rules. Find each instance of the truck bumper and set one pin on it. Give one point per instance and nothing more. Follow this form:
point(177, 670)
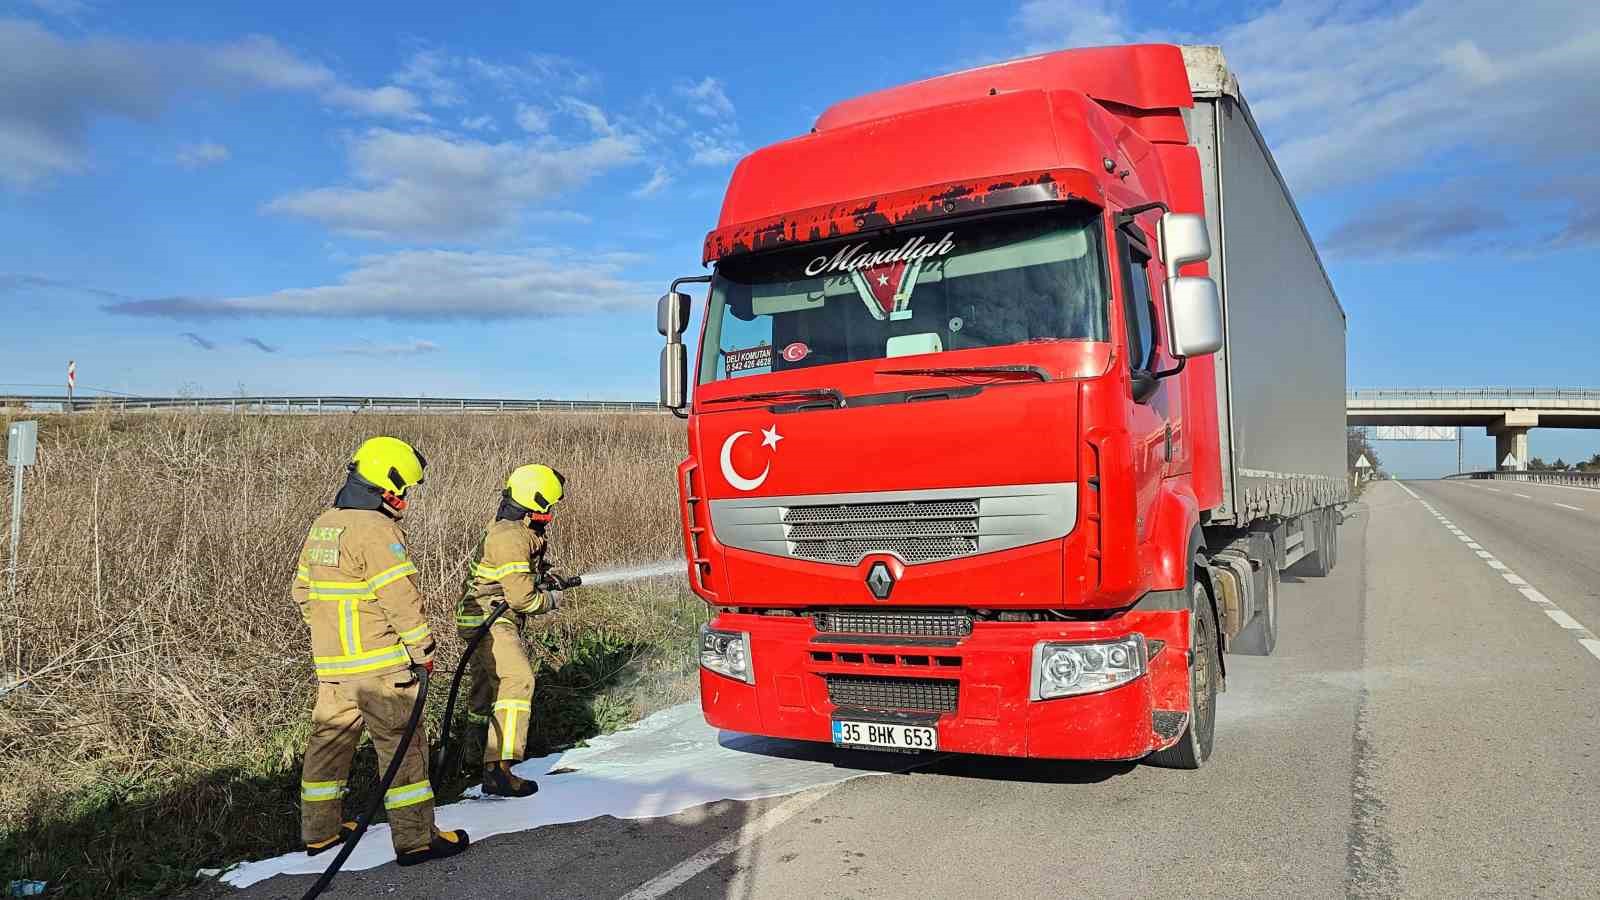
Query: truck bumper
point(992, 669)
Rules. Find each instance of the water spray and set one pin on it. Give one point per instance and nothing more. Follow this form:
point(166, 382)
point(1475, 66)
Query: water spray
point(634, 573)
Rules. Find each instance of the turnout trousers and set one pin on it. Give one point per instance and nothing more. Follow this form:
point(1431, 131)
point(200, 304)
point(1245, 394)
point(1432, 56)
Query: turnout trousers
point(381, 705)
point(502, 690)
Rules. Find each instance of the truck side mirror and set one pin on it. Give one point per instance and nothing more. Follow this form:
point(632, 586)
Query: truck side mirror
point(1194, 316)
point(1181, 238)
point(674, 376)
point(672, 313)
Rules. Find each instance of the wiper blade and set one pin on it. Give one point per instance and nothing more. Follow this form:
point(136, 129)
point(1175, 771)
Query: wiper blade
point(832, 394)
point(975, 371)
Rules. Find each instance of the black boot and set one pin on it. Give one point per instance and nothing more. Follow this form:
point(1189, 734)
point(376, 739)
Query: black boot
point(445, 844)
point(345, 830)
point(500, 781)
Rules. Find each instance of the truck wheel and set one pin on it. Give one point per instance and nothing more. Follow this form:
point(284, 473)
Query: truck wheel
point(1205, 667)
point(1261, 635)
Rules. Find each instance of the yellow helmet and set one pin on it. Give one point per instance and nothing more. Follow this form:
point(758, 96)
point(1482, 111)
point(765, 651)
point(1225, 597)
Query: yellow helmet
point(388, 464)
point(536, 488)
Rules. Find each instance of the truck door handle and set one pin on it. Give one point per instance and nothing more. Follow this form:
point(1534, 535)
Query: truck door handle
point(1169, 442)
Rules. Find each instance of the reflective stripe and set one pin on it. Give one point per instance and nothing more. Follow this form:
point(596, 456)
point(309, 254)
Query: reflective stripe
point(524, 705)
point(407, 795)
point(466, 621)
point(416, 635)
point(508, 710)
point(356, 663)
point(390, 576)
point(476, 719)
point(495, 574)
point(350, 626)
point(317, 791)
point(340, 590)
point(303, 574)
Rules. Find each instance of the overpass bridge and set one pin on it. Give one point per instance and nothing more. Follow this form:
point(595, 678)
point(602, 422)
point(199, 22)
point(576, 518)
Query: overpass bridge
point(1508, 413)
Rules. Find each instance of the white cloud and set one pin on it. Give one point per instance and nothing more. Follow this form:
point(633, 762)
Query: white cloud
point(544, 70)
point(66, 9)
point(596, 118)
point(433, 285)
point(53, 89)
point(449, 187)
point(425, 72)
point(413, 347)
point(532, 119)
point(198, 156)
point(1352, 94)
point(707, 98)
point(660, 179)
point(714, 149)
point(479, 123)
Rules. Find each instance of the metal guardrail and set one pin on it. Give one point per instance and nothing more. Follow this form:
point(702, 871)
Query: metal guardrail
point(1485, 393)
point(334, 404)
point(1570, 479)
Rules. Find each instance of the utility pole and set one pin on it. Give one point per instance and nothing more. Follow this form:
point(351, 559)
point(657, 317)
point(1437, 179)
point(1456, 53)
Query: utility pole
point(1458, 449)
point(72, 382)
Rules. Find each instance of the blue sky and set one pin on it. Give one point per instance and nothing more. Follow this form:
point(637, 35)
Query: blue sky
point(399, 198)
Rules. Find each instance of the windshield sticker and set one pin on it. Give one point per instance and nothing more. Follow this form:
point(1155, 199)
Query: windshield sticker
point(855, 257)
point(886, 289)
point(750, 359)
point(796, 352)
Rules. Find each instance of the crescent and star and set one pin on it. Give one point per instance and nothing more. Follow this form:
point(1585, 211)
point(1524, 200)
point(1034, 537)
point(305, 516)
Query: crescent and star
point(769, 438)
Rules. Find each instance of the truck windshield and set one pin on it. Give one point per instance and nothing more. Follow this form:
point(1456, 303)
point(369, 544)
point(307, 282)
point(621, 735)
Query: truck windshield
point(941, 288)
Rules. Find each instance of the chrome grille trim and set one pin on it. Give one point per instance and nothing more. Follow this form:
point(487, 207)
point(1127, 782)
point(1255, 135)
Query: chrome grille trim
point(914, 526)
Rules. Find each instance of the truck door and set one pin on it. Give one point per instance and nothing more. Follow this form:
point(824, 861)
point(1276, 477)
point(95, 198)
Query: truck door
point(1150, 419)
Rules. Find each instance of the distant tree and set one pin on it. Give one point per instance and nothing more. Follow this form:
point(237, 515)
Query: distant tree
point(1560, 465)
point(1593, 465)
point(1356, 443)
point(1538, 465)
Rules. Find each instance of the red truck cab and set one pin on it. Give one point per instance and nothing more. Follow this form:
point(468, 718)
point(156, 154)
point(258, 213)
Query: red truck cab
point(953, 427)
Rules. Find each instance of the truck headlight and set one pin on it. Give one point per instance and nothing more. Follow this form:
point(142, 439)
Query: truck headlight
point(726, 653)
point(1066, 670)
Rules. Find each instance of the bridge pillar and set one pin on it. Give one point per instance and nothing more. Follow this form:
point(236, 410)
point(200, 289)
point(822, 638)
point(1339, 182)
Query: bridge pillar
point(1513, 441)
point(1511, 437)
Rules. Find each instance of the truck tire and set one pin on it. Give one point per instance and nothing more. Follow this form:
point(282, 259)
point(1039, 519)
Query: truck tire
point(1316, 563)
point(1260, 636)
point(1205, 668)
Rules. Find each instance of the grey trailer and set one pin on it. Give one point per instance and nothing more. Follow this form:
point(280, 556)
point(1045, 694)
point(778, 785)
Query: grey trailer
point(1281, 370)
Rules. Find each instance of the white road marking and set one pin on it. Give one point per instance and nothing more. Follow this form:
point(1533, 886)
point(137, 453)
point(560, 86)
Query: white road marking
point(1465, 538)
point(1496, 490)
point(1523, 496)
point(671, 879)
point(1570, 506)
point(1557, 615)
point(1535, 595)
point(1565, 621)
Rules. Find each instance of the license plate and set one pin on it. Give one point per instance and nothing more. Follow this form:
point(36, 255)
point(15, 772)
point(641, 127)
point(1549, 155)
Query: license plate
point(883, 736)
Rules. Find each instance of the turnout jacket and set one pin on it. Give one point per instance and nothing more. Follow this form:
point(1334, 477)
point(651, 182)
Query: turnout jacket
point(355, 591)
point(506, 565)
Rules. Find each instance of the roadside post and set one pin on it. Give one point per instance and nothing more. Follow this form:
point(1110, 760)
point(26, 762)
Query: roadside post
point(22, 450)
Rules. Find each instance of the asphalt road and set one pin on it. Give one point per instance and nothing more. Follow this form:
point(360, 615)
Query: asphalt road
point(1427, 727)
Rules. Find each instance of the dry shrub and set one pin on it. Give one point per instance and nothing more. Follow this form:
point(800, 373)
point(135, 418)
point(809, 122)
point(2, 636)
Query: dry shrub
point(153, 618)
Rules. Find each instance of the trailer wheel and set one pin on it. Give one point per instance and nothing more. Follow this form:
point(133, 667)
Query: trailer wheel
point(1205, 668)
point(1260, 636)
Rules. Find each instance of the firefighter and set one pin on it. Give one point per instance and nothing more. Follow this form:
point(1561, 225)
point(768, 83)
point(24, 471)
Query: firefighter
point(509, 566)
point(355, 591)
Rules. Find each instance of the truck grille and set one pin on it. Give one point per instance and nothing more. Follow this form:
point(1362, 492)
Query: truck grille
point(915, 531)
point(935, 625)
point(909, 694)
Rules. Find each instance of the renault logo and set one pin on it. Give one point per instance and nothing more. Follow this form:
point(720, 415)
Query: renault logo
point(880, 581)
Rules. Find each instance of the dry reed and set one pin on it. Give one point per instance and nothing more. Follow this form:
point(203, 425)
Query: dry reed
point(154, 632)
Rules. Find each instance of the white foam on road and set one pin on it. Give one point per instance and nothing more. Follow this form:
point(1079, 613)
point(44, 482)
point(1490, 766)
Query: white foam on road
point(668, 763)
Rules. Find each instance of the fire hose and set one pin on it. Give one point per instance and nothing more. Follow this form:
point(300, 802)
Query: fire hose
point(549, 581)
